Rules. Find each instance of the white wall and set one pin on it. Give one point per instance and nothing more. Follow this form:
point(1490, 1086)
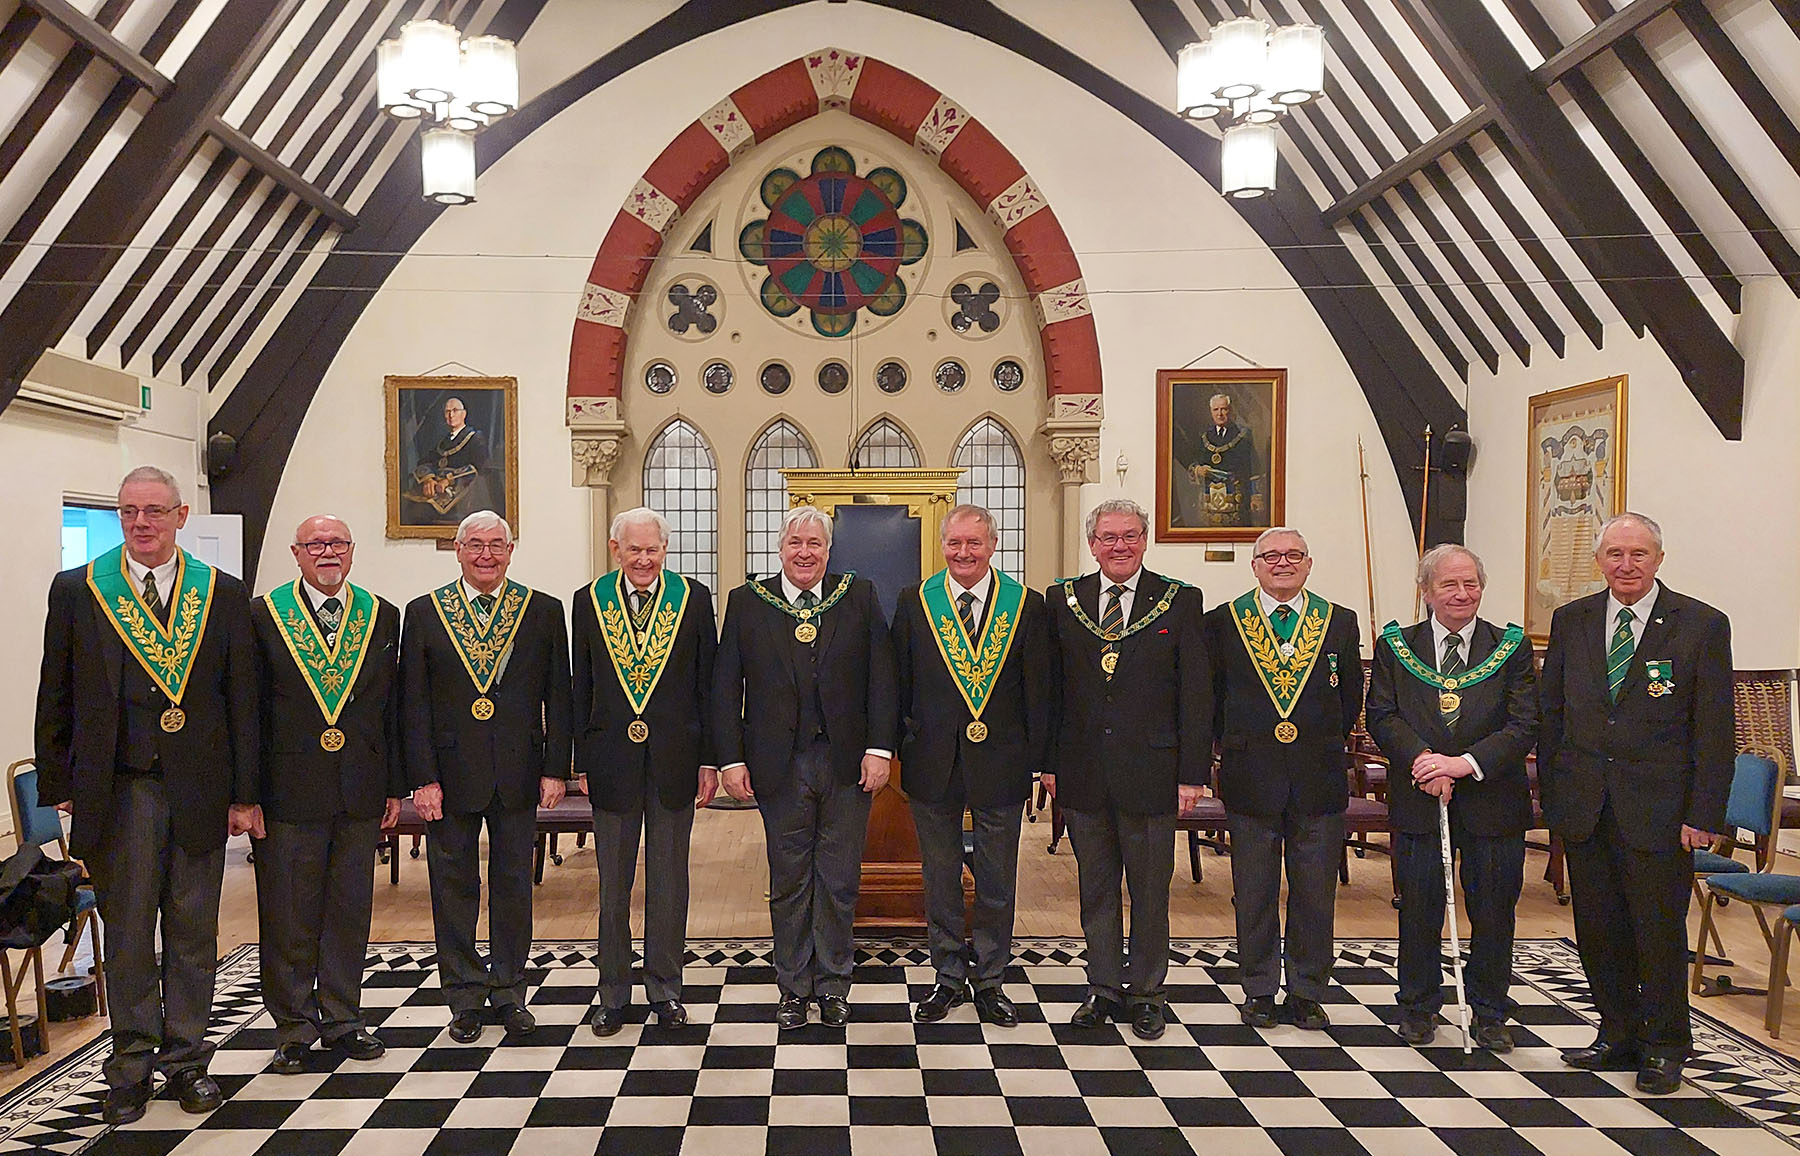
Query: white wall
point(1173, 271)
point(1726, 508)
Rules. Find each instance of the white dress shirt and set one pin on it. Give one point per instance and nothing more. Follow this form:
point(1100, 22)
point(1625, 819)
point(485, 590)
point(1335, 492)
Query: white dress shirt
point(165, 576)
point(980, 590)
point(1439, 632)
point(1125, 600)
point(1269, 603)
point(1640, 614)
point(317, 596)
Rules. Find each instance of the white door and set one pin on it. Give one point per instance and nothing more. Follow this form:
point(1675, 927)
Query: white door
point(216, 539)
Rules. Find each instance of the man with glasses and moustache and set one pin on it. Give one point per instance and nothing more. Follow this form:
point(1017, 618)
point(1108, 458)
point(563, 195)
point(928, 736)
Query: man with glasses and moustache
point(484, 705)
point(1288, 669)
point(1132, 747)
point(147, 734)
point(327, 654)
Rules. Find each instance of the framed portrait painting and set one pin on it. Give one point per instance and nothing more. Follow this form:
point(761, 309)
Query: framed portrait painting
point(452, 449)
point(1221, 453)
point(1575, 442)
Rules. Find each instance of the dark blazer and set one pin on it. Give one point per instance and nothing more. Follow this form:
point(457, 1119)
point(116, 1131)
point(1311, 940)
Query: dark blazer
point(938, 761)
point(1661, 761)
point(528, 737)
point(1258, 773)
point(206, 766)
point(302, 781)
point(1497, 724)
point(677, 713)
point(1127, 743)
point(756, 699)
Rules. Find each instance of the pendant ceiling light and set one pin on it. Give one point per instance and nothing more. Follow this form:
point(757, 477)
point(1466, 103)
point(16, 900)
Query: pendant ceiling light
point(1248, 77)
point(454, 88)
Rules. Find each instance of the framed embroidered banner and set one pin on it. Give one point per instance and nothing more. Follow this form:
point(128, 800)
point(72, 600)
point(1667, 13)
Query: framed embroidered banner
point(452, 449)
point(1221, 453)
point(1575, 442)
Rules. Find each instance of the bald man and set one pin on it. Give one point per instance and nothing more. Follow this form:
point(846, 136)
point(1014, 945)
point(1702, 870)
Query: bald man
point(331, 779)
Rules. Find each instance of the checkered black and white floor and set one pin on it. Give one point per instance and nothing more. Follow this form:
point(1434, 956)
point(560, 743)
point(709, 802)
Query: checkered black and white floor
point(729, 1084)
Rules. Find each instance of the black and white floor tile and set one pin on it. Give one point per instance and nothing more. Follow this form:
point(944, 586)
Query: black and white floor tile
point(729, 1083)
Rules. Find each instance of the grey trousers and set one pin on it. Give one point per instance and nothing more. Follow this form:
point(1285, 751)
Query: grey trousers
point(160, 1010)
point(996, 866)
point(1109, 845)
point(1310, 846)
point(315, 884)
point(815, 838)
point(453, 852)
point(665, 834)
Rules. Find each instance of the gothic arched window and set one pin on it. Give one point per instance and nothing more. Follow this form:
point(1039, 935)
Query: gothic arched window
point(780, 446)
point(884, 446)
point(681, 481)
point(995, 478)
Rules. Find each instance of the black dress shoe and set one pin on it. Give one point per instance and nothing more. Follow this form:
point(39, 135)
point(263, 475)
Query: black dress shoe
point(517, 1020)
point(1417, 1028)
point(1259, 1012)
point(1147, 1021)
point(791, 1013)
point(1095, 1011)
point(1659, 1076)
point(607, 1021)
point(1305, 1014)
point(124, 1105)
point(669, 1013)
point(359, 1045)
point(1604, 1057)
point(1492, 1034)
point(937, 1005)
point(289, 1059)
point(834, 1011)
point(465, 1028)
point(195, 1091)
point(992, 1007)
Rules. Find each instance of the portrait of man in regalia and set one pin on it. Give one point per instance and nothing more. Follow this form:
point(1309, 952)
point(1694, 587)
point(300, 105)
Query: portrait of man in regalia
point(451, 450)
point(1219, 453)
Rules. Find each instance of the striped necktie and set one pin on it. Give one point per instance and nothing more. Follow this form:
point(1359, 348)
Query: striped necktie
point(1112, 620)
point(152, 598)
point(965, 610)
point(1618, 655)
point(1452, 665)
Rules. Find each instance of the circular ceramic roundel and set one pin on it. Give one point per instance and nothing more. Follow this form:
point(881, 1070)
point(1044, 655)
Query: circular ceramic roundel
point(833, 242)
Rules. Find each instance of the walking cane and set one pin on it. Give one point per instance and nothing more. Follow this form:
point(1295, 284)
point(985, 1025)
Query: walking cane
point(1462, 1001)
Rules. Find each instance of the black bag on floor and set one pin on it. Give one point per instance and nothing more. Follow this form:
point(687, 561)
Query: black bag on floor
point(37, 897)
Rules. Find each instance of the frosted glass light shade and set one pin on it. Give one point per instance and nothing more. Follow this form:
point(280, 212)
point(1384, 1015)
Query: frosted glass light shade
point(1240, 56)
point(391, 83)
point(1247, 161)
point(1260, 109)
point(448, 158)
point(1196, 82)
point(432, 53)
point(490, 76)
point(1296, 63)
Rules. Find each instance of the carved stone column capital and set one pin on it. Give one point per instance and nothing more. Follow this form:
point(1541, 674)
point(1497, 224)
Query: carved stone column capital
point(597, 436)
point(1072, 432)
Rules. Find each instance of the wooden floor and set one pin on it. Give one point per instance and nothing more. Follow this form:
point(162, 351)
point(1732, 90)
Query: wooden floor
point(729, 878)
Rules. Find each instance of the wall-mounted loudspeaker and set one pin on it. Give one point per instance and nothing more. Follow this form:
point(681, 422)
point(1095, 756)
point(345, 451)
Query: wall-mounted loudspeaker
point(221, 455)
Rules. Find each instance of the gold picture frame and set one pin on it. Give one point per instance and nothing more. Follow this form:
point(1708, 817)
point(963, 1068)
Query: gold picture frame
point(1210, 489)
point(1575, 442)
point(438, 472)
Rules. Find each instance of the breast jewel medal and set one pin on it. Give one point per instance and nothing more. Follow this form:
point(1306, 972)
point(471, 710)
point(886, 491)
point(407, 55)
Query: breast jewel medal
point(974, 663)
point(639, 647)
point(1283, 669)
point(482, 648)
point(1450, 690)
point(805, 629)
point(166, 653)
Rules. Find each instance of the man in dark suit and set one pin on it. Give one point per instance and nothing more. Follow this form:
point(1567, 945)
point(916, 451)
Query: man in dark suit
point(484, 697)
point(973, 650)
point(644, 647)
point(1132, 746)
point(327, 652)
point(1635, 750)
point(146, 733)
point(1453, 705)
point(1288, 666)
point(804, 715)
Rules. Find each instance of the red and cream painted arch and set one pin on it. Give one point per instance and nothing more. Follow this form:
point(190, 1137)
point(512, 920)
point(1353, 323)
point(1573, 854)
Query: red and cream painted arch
point(911, 110)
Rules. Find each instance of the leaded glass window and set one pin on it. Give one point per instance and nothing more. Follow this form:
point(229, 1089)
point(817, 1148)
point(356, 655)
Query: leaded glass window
point(995, 478)
point(781, 446)
point(884, 446)
point(681, 481)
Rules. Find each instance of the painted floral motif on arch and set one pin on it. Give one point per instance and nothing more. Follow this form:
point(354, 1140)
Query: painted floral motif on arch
point(834, 242)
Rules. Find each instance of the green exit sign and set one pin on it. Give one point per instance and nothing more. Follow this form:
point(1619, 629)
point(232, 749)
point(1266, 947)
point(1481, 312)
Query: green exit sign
point(144, 397)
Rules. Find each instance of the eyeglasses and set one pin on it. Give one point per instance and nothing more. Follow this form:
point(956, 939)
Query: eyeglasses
point(154, 513)
point(1272, 557)
point(1129, 538)
point(497, 549)
point(329, 546)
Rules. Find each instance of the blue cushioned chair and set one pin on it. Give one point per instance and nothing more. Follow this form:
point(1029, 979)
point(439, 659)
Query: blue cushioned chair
point(1786, 928)
point(40, 823)
point(1755, 806)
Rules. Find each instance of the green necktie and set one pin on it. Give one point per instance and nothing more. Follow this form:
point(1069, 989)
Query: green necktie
point(1284, 620)
point(1112, 620)
point(1618, 655)
point(807, 600)
point(1452, 665)
point(484, 605)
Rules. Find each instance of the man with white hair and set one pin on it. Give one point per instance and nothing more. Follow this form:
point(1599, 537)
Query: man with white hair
point(147, 733)
point(1636, 745)
point(1453, 706)
point(484, 677)
point(1288, 670)
point(804, 721)
point(644, 646)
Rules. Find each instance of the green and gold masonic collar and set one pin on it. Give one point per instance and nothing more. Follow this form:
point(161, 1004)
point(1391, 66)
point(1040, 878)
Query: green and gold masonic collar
point(1510, 639)
point(639, 648)
point(329, 670)
point(1283, 667)
point(481, 648)
point(974, 664)
point(165, 652)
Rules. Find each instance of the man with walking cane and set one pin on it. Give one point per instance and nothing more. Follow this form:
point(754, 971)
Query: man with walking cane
point(1452, 703)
